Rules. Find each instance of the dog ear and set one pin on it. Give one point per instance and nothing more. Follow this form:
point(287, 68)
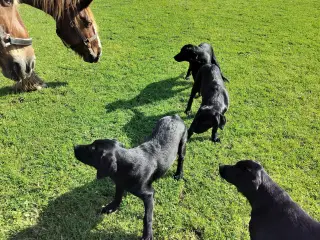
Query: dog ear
point(107, 166)
point(193, 55)
point(257, 178)
point(223, 121)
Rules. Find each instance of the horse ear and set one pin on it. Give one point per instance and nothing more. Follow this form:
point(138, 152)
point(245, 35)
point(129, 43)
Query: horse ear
point(82, 4)
point(107, 165)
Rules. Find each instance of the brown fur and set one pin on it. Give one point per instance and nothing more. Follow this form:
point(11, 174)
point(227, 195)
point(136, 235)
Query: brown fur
point(56, 8)
point(32, 83)
point(14, 59)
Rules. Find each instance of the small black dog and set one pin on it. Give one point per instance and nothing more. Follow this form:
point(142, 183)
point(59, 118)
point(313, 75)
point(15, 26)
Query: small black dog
point(215, 102)
point(135, 169)
point(274, 215)
point(197, 56)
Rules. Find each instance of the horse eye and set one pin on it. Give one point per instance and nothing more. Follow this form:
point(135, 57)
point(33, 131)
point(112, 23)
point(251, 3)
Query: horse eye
point(87, 24)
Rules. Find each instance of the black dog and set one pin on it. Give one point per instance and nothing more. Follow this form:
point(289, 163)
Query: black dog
point(215, 102)
point(135, 169)
point(274, 215)
point(197, 56)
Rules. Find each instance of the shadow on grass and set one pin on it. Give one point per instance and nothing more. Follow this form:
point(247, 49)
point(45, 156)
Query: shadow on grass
point(151, 93)
point(140, 126)
point(56, 84)
point(74, 214)
point(9, 89)
point(6, 91)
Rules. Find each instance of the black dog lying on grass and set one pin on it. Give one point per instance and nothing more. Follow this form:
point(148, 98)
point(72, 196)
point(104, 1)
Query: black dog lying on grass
point(197, 56)
point(135, 169)
point(274, 215)
point(215, 102)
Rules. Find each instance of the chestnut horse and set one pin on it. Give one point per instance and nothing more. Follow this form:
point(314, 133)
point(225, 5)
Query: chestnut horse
point(17, 57)
point(75, 25)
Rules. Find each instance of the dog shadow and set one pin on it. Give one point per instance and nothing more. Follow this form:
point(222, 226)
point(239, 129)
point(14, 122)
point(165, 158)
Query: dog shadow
point(74, 214)
point(153, 92)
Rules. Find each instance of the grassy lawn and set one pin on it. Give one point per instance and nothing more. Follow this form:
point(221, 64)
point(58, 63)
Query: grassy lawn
point(268, 49)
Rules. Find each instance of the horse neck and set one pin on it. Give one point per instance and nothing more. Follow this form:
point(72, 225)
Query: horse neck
point(38, 5)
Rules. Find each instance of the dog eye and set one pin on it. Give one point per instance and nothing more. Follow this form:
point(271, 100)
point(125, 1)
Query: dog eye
point(92, 148)
point(242, 168)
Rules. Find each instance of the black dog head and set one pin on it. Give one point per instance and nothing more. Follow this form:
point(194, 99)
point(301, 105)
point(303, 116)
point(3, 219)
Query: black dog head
point(100, 154)
point(245, 175)
point(187, 53)
point(208, 117)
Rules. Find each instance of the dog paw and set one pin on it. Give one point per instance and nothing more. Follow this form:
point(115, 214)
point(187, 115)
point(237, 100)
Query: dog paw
point(110, 208)
point(178, 176)
point(187, 78)
point(216, 140)
point(147, 238)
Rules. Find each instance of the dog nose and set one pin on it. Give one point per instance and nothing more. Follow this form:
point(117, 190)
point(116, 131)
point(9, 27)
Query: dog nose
point(221, 169)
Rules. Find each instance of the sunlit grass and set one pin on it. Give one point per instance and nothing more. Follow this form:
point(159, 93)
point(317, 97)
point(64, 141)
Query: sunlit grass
point(268, 49)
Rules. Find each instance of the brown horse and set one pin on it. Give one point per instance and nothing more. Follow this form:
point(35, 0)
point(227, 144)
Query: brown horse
point(75, 25)
point(17, 57)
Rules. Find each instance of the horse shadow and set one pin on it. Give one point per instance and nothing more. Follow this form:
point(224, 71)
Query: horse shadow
point(56, 84)
point(153, 92)
point(74, 214)
point(7, 90)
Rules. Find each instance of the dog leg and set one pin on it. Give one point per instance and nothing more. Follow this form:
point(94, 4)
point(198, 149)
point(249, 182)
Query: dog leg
point(193, 125)
point(214, 136)
point(147, 197)
point(114, 205)
point(192, 95)
point(188, 73)
point(181, 154)
point(190, 133)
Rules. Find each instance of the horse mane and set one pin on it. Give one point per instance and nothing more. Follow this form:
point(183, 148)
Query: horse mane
point(56, 8)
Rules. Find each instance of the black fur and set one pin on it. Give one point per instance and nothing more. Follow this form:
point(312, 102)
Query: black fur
point(274, 215)
point(197, 56)
point(135, 169)
point(215, 102)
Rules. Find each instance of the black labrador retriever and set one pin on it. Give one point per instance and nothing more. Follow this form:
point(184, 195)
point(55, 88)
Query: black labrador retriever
point(274, 215)
point(215, 102)
point(197, 56)
point(135, 169)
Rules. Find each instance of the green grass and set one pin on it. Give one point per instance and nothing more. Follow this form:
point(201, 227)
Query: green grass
point(268, 49)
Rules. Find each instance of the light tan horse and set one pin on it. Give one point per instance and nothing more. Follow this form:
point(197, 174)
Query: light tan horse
point(75, 25)
point(17, 59)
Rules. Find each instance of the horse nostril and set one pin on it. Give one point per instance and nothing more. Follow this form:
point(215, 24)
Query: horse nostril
point(28, 69)
point(17, 68)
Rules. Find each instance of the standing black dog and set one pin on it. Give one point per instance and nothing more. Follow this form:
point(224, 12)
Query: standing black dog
point(215, 102)
point(274, 215)
point(197, 56)
point(135, 169)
